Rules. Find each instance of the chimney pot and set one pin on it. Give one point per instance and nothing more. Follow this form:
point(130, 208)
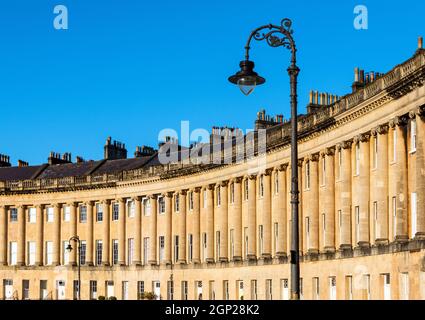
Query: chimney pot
point(420, 42)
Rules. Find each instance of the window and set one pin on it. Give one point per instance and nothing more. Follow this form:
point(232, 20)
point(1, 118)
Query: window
point(140, 289)
point(276, 183)
point(217, 245)
point(261, 239)
point(99, 248)
point(176, 248)
point(161, 248)
point(394, 145)
point(146, 250)
point(394, 204)
point(349, 287)
point(65, 252)
point(218, 195)
point(93, 289)
point(99, 212)
point(25, 289)
point(269, 289)
point(49, 253)
point(284, 288)
point(253, 289)
point(357, 159)
point(276, 235)
point(190, 201)
point(357, 217)
point(190, 248)
point(177, 203)
point(225, 289)
point(13, 215)
point(375, 219)
point(125, 290)
point(232, 244)
point(340, 164)
point(307, 230)
point(261, 187)
point(332, 288)
point(32, 215)
point(387, 286)
point(184, 290)
point(83, 214)
point(404, 286)
point(413, 207)
point(246, 189)
point(161, 205)
point(205, 198)
point(130, 253)
point(375, 153)
point(131, 207)
point(232, 193)
point(316, 295)
point(413, 136)
point(49, 214)
point(366, 286)
point(170, 290)
point(76, 289)
point(83, 252)
point(115, 212)
point(323, 171)
point(13, 253)
point(31, 253)
point(212, 290)
point(67, 213)
point(114, 251)
point(307, 175)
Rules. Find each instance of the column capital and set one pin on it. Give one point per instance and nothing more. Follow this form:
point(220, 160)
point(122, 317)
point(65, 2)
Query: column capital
point(412, 114)
point(268, 172)
point(153, 196)
point(121, 200)
point(136, 198)
point(211, 186)
point(252, 176)
point(382, 129)
point(237, 180)
point(344, 144)
point(89, 203)
point(314, 157)
point(168, 194)
point(106, 202)
point(69, 204)
point(330, 151)
point(182, 192)
point(282, 167)
point(197, 189)
point(398, 121)
point(57, 205)
point(300, 162)
point(224, 183)
point(3, 206)
point(420, 111)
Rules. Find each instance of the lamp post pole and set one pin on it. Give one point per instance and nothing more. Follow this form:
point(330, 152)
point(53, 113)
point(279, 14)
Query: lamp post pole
point(247, 80)
point(69, 248)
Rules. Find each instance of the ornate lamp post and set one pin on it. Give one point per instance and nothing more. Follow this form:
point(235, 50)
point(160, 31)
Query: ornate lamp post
point(77, 240)
point(247, 80)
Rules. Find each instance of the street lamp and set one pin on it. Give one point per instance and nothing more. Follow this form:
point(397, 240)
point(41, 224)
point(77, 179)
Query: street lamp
point(69, 249)
point(247, 80)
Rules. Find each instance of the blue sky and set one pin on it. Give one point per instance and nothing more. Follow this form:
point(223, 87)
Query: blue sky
point(131, 68)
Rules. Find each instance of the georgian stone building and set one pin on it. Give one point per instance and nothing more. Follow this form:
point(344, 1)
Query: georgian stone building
point(211, 231)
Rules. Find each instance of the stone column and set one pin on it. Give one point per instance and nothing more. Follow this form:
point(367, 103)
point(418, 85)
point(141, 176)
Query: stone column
point(57, 234)
point(223, 222)
point(344, 220)
point(21, 235)
point(399, 179)
point(168, 230)
point(266, 215)
point(210, 223)
point(237, 219)
point(252, 223)
point(106, 226)
point(279, 212)
point(39, 248)
point(420, 172)
point(196, 226)
point(311, 199)
point(362, 190)
point(329, 201)
point(73, 231)
point(138, 236)
point(121, 231)
point(3, 235)
point(152, 260)
point(182, 228)
point(380, 186)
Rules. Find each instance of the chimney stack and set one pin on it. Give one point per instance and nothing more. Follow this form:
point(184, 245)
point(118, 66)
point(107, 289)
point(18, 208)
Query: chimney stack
point(57, 158)
point(22, 164)
point(79, 159)
point(114, 150)
point(144, 151)
point(4, 161)
point(420, 43)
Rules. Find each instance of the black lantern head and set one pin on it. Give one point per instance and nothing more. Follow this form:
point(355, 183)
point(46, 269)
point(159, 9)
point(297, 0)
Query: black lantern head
point(247, 79)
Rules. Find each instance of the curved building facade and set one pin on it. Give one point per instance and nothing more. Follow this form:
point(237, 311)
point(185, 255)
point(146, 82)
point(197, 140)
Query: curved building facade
point(221, 231)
